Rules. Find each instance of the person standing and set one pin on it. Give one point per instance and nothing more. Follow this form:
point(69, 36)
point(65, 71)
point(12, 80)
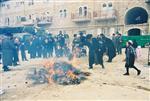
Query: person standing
point(110, 48)
point(23, 53)
point(39, 47)
point(33, 47)
point(114, 39)
point(90, 45)
point(50, 46)
point(16, 52)
point(7, 52)
point(119, 44)
point(130, 58)
point(100, 51)
point(45, 49)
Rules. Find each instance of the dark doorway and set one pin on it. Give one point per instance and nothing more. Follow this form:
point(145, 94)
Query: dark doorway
point(136, 15)
point(134, 32)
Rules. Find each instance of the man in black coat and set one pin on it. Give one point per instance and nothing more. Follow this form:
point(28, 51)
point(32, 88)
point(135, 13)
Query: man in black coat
point(33, 47)
point(119, 43)
point(101, 49)
point(16, 52)
point(39, 47)
point(45, 49)
point(90, 45)
point(110, 48)
point(7, 52)
point(130, 58)
point(50, 46)
point(23, 53)
point(114, 39)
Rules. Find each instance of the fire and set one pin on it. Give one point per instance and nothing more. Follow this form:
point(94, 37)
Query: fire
point(49, 63)
point(60, 72)
point(71, 75)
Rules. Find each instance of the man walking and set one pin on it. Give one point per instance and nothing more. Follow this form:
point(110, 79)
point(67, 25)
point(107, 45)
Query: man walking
point(130, 58)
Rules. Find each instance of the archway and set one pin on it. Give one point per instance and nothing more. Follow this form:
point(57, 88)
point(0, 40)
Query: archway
point(136, 15)
point(134, 32)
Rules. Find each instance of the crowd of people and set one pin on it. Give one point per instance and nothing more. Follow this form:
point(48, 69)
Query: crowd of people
point(47, 46)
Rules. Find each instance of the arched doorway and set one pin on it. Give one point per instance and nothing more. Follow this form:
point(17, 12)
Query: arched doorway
point(136, 15)
point(134, 32)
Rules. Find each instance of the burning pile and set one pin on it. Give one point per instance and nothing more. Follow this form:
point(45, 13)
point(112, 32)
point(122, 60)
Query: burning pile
point(61, 73)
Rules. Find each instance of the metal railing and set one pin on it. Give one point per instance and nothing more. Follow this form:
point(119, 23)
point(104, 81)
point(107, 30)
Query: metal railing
point(44, 19)
point(105, 15)
point(77, 16)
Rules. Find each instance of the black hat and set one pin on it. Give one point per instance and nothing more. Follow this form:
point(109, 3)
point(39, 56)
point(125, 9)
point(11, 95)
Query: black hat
point(81, 33)
point(89, 36)
point(74, 35)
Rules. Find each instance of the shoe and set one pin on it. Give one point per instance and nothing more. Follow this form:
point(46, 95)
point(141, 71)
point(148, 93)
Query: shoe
point(109, 61)
point(139, 72)
point(103, 67)
point(6, 70)
point(90, 67)
point(126, 74)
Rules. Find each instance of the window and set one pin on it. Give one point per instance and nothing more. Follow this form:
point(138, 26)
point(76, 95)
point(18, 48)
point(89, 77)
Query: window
point(80, 11)
point(3, 5)
point(104, 5)
point(7, 21)
point(61, 13)
point(31, 2)
point(8, 6)
point(65, 13)
point(85, 11)
point(30, 17)
point(17, 19)
point(22, 3)
point(110, 4)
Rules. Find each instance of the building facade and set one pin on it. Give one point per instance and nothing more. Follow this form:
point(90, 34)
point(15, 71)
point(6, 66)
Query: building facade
point(129, 17)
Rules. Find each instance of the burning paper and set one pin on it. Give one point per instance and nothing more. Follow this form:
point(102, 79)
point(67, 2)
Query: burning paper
point(61, 72)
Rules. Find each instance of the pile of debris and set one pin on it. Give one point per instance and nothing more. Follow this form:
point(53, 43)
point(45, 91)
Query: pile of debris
point(60, 72)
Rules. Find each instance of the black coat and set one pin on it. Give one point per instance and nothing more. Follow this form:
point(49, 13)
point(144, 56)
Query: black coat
point(111, 51)
point(100, 51)
point(91, 52)
point(130, 56)
point(7, 52)
point(16, 53)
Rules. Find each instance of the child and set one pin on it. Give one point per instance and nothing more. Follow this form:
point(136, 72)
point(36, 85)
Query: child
point(138, 53)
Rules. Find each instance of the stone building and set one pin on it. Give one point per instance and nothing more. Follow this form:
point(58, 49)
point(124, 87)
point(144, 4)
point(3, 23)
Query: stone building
point(129, 17)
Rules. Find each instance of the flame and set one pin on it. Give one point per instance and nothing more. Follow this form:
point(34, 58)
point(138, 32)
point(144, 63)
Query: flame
point(48, 63)
point(71, 75)
point(52, 70)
